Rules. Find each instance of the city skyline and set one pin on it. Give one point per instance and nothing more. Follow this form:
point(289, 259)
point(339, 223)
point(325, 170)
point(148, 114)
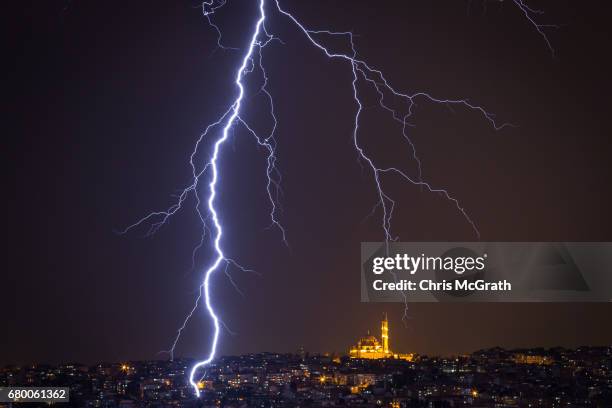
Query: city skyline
point(373, 349)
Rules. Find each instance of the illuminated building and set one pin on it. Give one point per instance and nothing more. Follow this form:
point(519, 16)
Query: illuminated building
point(370, 347)
point(521, 358)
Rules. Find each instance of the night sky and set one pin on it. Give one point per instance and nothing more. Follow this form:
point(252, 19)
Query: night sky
point(105, 100)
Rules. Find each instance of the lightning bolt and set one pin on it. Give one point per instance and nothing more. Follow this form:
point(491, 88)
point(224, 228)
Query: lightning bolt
point(361, 73)
point(531, 16)
point(220, 257)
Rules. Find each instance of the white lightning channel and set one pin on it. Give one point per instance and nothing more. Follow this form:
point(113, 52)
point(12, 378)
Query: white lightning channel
point(220, 257)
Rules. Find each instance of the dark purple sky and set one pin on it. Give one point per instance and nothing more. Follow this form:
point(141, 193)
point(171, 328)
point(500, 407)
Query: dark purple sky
point(107, 98)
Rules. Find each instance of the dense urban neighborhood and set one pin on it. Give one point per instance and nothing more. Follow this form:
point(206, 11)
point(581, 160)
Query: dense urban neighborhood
point(487, 378)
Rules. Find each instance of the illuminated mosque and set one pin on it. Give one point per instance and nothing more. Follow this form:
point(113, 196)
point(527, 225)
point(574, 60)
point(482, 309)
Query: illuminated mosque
point(370, 347)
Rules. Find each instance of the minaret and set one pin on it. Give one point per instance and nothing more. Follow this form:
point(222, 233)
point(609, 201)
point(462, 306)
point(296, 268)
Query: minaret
point(385, 334)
